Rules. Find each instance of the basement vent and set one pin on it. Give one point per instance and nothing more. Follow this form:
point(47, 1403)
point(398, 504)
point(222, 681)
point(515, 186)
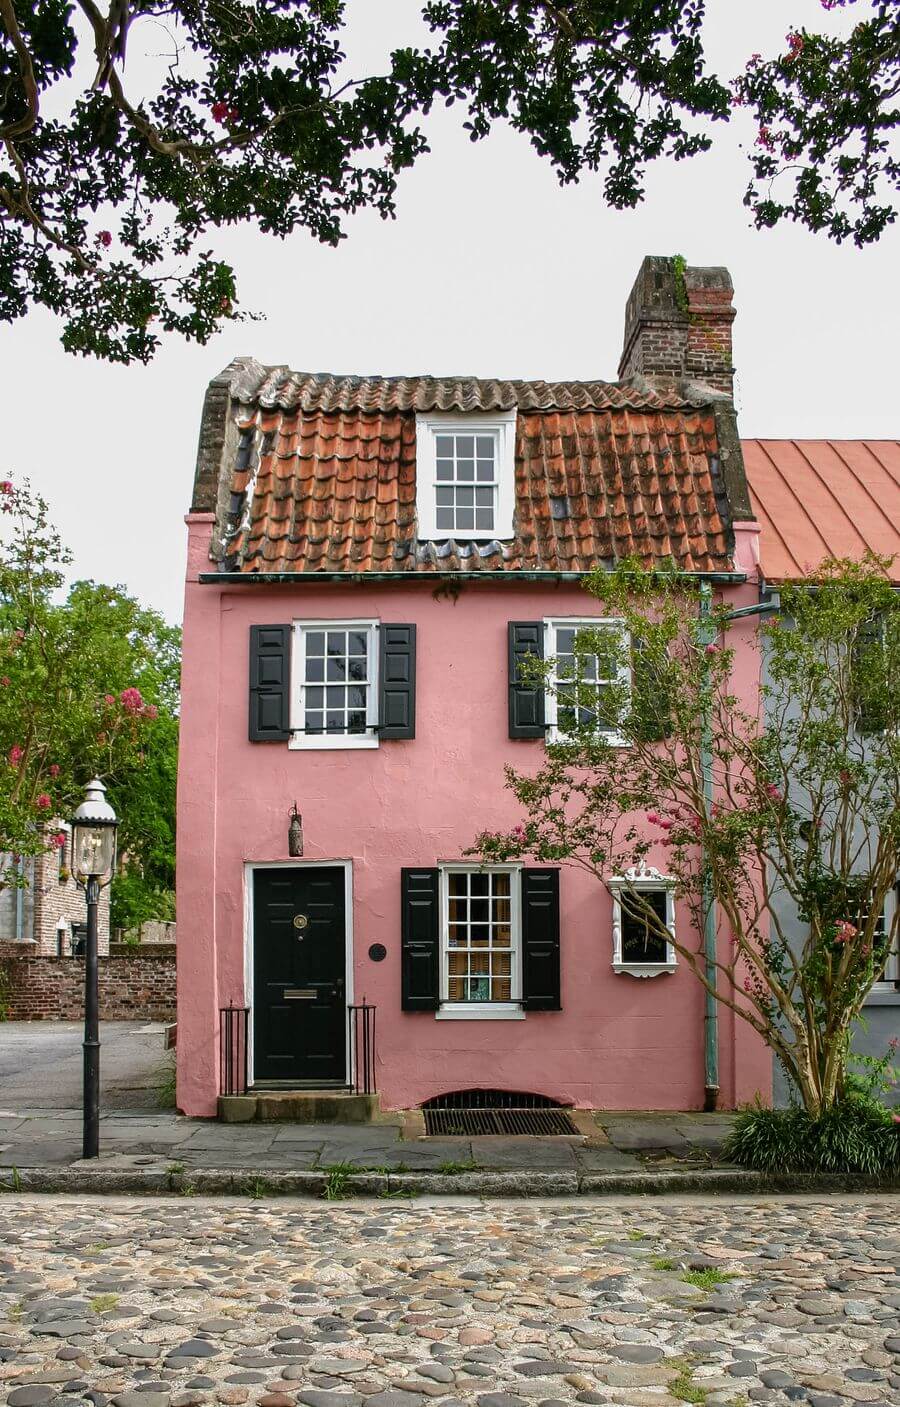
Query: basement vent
point(491, 1111)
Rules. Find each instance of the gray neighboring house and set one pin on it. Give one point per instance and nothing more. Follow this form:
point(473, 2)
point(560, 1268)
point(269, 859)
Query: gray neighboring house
point(815, 499)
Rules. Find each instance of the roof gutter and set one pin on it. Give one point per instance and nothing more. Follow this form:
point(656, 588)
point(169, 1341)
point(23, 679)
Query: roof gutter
point(294, 578)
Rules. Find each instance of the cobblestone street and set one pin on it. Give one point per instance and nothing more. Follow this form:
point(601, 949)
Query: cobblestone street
point(645, 1303)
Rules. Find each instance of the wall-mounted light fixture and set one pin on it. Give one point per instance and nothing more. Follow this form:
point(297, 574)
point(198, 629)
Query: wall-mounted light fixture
point(295, 834)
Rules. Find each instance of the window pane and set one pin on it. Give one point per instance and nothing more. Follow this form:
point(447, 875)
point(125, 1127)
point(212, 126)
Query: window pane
point(500, 884)
point(357, 669)
point(465, 446)
point(444, 469)
point(458, 884)
point(459, 910)
point(465, 518)
point(337, 642)
point(484, 447)
point(315, 698)
point(484, 498)
point(445, 518)
point(356, 642)
point(336, 669)
point(456, 989)
point(315, 642)
point(501, 964)
point(479, 910)
point(480, 884)
point(565, 640)
point(314, 722)
point(479, 989)
point(356, 696)
point(443, 497)
point(485, 472)
point(641, 943)
point(335, 696)
point(484, 518)
point(502, 935)
point(465, 498)
point(357, 722)
point(334, 722)
point(457, 939)
point(501, 989)
point(479, 962)
point(443, 446)
point(465, 469)
point(501, 910)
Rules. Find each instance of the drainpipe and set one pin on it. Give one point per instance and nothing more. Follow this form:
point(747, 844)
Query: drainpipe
point(711, 1017)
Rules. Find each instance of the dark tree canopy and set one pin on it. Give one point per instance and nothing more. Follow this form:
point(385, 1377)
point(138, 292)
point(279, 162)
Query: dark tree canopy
point(108, 196)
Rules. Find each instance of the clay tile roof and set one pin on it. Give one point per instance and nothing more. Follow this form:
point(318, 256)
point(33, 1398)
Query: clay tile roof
point(324, 476)
point(824, 498)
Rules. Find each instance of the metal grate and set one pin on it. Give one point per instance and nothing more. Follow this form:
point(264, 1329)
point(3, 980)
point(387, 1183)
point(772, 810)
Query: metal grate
point(462, 1121)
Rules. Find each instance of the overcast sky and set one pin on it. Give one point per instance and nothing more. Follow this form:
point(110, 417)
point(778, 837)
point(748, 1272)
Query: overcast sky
point(490, 269)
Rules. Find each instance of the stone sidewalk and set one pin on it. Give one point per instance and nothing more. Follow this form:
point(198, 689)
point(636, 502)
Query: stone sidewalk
point(622, 1143)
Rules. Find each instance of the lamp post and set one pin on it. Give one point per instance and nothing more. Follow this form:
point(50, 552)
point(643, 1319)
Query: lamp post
point(93, 859)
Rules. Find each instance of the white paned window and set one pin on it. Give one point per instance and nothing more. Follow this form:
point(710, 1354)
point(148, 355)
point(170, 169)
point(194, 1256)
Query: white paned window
point(640, 949)
point(582, 688)
point(890, 979)
point(334, 695)
point(480, 942)
point(465, 471)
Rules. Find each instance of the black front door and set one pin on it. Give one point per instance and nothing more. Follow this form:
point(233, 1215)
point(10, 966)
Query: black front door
point(299, 1011)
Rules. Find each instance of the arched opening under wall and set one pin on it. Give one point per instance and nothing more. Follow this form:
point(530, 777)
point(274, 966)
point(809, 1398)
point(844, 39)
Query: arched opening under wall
point(474, 1112)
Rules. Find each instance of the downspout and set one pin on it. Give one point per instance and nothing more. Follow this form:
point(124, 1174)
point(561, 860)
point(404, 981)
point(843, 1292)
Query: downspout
point(711, 1016)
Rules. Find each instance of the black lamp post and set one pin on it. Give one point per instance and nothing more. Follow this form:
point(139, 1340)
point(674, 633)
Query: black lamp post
point(93, 860)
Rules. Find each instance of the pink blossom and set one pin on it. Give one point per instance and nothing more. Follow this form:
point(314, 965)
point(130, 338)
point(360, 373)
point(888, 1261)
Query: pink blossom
point(131, 700)
point(773, 792)
point(712, 648)
point(794, 43)
point(15, 755)
point(764, 139)
point(653, 818)
point(59, 840)
point(109, 699)
point(6, 486)
point(151, 711)
point(895, 1118)
point(666, 825)
point(104, 238)
point(518, 833)
point(43, 801)
point(5, 681)
point(893, 1044)
point(53, 769)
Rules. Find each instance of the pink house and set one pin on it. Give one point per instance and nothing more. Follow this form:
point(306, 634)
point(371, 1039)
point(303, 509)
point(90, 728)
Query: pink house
point(368, 559)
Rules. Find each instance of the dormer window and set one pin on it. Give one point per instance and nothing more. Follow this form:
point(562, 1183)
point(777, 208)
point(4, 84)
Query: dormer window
point(465, 472)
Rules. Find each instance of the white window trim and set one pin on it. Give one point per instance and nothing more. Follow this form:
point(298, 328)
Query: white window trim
point(551, 700)
point(501, 423)
point(482, 1011)
point(324, 741)
point(642, 877)
point(886, 988)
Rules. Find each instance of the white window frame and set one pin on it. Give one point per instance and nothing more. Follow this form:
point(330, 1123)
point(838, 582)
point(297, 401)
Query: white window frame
point(642, 878)
point(482, 1011)
point(332, 741)
point(551, 700)
point(502, 425)
point(885, 992)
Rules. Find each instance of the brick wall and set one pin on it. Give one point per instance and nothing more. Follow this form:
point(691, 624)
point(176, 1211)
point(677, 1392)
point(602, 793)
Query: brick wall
point(137, 985)
point(678, 326)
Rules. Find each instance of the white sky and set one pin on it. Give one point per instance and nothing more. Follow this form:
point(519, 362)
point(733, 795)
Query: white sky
point(490, 269)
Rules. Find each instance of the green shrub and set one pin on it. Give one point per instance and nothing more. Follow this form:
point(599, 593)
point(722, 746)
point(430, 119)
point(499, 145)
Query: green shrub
point(858, 1135)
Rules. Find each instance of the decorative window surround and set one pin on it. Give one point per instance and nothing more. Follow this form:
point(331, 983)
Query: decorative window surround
point(553, 640)
point(458, 915)
point(643, 878)
point(500, 427)
point(309, 684)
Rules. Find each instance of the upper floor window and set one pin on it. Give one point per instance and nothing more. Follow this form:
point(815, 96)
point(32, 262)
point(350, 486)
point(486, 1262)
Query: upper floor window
point(465, 472)
point(334, 674)
point(585, 686)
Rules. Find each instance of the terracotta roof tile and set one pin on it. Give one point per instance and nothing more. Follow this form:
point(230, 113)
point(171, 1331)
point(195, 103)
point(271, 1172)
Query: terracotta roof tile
point(325, 476)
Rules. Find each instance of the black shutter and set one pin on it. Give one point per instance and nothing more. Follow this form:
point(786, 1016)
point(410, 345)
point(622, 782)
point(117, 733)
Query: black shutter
point(420, 927)
point(397, 681)
point(270, 683)
point(526, 702)
point(650, 697)
point(540, 940)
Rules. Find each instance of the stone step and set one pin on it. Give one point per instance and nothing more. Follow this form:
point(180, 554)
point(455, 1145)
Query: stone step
point(306, 1106)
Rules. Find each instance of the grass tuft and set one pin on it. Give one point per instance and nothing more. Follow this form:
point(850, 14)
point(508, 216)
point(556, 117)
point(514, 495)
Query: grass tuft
point(706, 1279)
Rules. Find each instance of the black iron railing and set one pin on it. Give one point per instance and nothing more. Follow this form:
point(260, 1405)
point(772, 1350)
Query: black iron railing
point(362, 1048)
point(233, 1049)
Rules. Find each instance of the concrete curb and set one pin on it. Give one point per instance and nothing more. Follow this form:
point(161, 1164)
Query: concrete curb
point(261, 1183)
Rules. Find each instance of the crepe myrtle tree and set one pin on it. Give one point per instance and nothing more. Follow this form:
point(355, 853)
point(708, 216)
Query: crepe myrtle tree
point(113, 174)
point(801, 810)
point(70, 705)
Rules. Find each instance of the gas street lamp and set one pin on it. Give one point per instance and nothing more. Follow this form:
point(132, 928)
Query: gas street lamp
point(93, 861)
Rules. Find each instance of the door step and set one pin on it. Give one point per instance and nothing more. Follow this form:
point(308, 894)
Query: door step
point(306, 1106)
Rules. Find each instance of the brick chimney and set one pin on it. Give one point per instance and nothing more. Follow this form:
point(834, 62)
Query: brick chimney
point(678, 326)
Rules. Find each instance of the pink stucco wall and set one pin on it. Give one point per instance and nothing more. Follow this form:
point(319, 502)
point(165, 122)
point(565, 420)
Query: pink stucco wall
point(617, 1043)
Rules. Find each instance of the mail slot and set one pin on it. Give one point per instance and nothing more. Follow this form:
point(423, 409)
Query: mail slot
point(299, 994)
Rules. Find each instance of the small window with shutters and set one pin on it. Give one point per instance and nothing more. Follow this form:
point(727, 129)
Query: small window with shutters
point(334, 675)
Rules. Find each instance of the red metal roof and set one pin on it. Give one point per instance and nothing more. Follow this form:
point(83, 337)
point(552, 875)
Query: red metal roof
point(824, 498)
